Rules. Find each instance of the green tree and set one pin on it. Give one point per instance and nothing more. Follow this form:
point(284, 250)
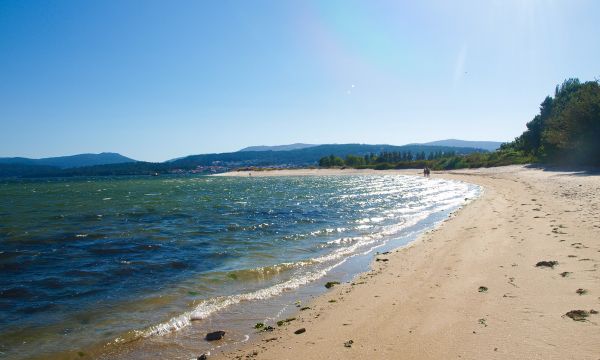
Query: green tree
point(354, 161)
point(566, 130)
point(572, 134)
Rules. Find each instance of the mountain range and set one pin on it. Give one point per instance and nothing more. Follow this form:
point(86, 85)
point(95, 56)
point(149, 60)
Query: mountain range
point(72, 161)
point(295, 146)
point(486, 145)
point(293, 155)
point(307, 156)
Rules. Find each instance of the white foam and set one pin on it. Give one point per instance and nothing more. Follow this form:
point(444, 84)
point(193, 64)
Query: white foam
point(210, 306)
point(433, 196)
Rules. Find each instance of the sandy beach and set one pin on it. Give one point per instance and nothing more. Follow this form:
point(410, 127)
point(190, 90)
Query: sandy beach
point(469, 289)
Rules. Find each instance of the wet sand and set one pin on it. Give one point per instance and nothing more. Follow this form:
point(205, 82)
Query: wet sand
point(469, 289)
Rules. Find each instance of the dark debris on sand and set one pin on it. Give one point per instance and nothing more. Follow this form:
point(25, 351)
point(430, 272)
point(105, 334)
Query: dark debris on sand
point(331, 284)
point(551, 264)
point(215, 335)
point(580, 315)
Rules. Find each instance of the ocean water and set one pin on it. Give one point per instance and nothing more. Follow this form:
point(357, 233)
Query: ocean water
point(126, 267)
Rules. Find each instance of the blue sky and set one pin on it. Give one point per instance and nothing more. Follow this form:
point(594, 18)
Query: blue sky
point(155, 80)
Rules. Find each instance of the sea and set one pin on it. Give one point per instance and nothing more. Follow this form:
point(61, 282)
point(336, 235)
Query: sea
point(144, 267)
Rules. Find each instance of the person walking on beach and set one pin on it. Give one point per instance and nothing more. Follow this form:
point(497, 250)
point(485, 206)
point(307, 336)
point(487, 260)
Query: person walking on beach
point(426, 171)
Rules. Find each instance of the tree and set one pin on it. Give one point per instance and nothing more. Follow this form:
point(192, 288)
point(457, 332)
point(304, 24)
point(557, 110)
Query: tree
point(572, 134)
point(331, 160)
point(354, 161)
point(567, 128)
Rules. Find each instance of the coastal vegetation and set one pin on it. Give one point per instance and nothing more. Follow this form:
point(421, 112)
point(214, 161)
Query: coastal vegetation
point(436, 161)
point(565, 132)
point(567, 128)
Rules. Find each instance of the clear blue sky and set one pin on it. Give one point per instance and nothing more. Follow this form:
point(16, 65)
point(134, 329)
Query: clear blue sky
point(155, 80)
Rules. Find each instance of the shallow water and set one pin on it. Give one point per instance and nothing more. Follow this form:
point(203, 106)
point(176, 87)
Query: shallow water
point(119, 267)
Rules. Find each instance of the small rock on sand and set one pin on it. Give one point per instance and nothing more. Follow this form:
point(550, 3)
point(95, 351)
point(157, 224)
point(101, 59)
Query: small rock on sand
point(577, 315)
point(331, 284)
point(215, 335)
point(551, 264)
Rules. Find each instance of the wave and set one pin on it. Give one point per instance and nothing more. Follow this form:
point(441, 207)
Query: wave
point(421, 202)
point(354, 246)
point(266, 272)
point(210, 306)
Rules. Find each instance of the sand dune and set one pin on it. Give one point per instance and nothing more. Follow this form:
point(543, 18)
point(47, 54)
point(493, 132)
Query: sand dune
point(469, 289)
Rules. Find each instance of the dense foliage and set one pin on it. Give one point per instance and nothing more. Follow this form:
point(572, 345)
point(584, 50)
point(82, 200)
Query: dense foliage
point(565, 132)
point(435, 161)
point(386, 159)
point(567, 129)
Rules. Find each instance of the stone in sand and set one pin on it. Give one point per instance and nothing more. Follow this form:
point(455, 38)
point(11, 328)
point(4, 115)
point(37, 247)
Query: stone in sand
point(577, 315)
point(215, 335)
point(331, 284)
point(551, 264)
point(581, 291)
point(300, 331)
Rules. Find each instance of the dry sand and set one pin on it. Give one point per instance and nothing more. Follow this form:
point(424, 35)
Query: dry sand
point(426, 303)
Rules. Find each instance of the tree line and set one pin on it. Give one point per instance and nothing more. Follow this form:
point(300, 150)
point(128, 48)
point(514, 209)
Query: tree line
point(383, 158)
point(565, 132)
point(567, 129)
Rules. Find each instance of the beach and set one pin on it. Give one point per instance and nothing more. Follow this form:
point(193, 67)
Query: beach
point(470, 288)
point(149, 265)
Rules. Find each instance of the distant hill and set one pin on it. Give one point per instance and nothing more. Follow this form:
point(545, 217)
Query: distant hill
point(73, 161)
point(110, 164)
point(487, 145)
point(27, 170)
point(295, 146)
point(307, 156)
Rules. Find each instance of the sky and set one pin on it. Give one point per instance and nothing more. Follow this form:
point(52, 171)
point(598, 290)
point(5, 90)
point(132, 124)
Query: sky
point(155, 80)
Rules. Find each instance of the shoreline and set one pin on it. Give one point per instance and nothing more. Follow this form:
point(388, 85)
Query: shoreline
point(319, 172)
point(458, 290)
point(238, 319)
